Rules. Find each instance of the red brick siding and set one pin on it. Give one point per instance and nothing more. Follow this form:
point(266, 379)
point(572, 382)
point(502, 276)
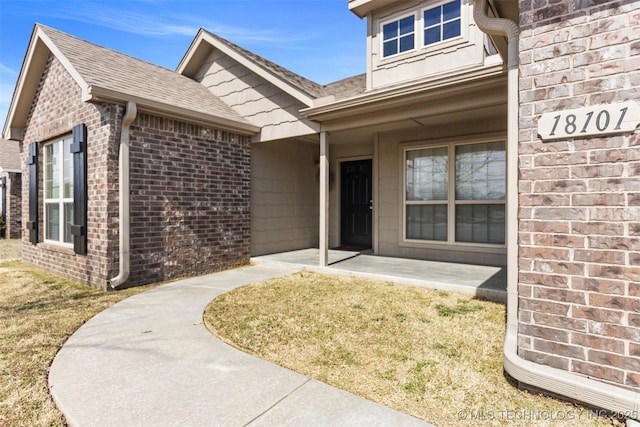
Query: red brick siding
point(57, 106)
point(579, 220)
point(190, 199)
point(13, 214)
point(189, 190)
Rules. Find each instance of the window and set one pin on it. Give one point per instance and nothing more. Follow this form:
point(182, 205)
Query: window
point(442, 23)
point(427, 174)
point(480, 193)
point(58, 191)
point(398, 36)
point(456, 193)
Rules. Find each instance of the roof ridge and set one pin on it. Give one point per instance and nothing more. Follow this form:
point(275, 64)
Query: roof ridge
point(46, 28)
point(117, 74)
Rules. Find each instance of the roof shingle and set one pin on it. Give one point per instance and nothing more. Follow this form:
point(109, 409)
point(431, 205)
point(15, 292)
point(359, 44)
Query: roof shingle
point(341, 89)
point(104, 68)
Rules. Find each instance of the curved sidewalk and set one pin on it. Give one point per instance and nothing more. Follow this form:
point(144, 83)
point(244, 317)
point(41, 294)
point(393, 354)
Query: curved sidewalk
point(149, 360)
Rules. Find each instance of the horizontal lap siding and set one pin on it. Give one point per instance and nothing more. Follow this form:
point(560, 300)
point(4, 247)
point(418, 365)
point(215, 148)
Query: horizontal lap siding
point(579, 217)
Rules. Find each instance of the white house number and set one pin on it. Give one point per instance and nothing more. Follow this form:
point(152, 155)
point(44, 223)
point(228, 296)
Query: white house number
point(589, 121)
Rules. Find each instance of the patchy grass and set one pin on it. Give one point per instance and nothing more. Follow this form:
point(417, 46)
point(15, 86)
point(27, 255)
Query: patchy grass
point(10, 249)
point(38, 312)
point(432, 354)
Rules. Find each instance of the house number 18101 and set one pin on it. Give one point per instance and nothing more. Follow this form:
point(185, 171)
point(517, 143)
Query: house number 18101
point(589, 121)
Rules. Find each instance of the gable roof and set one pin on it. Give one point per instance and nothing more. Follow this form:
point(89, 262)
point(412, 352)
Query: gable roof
point(295, 85)
point(301, 88)
point(9, 156)
point(106, 75)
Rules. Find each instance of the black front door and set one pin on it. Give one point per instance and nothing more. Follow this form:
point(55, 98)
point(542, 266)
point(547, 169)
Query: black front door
point(356, 204)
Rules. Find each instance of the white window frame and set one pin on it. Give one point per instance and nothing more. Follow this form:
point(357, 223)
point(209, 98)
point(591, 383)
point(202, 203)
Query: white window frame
point(463, 25)
point(61, 201)
point(451, 201)
point(416, 34)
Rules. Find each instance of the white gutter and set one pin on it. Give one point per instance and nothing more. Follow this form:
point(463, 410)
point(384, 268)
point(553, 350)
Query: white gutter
point(558, 381)
point(123, 180)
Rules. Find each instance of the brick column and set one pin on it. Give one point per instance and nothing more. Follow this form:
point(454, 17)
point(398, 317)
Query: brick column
point(579, 232)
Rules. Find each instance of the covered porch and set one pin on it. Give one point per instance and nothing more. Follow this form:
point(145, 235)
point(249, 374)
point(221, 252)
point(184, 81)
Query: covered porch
point(416, 172)
point(487, 282)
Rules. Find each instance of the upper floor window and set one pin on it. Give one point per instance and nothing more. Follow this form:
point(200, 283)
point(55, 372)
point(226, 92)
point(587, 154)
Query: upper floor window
point(58, 191)
point(442, 22)
point(398, 36)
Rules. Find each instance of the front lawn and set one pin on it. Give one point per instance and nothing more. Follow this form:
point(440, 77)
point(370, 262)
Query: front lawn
point(432, 354)
point(38, 312)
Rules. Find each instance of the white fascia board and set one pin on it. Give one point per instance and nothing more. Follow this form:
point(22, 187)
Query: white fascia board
point(362, 7)
point(251, 65)
point(97, 94)
point(65, 63)
point(405, 91)
point(29, 78)
point(9, 170)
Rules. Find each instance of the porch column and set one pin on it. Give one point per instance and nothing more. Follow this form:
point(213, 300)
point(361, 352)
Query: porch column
point(324, 199)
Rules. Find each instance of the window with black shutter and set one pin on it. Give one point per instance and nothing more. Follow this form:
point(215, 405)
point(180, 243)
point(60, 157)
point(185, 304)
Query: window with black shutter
point(65, 190)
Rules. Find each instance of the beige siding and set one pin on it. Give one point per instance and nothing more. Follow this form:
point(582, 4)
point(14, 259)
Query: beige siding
point(424, 62)
point(284, 197)
point(259, 101)
point(390, 187)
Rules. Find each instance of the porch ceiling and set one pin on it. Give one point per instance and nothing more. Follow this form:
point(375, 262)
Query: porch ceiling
point(478, 100)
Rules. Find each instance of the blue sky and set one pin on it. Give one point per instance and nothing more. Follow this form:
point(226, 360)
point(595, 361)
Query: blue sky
point(319, 39)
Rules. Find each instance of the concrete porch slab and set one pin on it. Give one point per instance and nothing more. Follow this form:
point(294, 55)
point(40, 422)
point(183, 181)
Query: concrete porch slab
point(488, 282)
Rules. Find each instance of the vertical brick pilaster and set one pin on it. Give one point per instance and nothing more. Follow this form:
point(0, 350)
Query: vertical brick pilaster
point(579, 261)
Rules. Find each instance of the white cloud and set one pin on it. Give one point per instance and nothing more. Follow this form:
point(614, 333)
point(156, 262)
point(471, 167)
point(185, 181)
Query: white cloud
point(7, 72)
point(146, 24)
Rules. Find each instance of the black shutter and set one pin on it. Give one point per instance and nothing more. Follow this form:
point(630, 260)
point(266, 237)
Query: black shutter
point(79, 227)
point(3, 186)
point(32, 161)
point(3, 189)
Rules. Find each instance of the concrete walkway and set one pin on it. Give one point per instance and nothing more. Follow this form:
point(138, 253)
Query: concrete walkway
point(150, 361)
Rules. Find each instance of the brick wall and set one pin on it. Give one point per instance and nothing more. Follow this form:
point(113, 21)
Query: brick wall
point(190, 199)
point(190, 188)
point(579, 229)
point(13, 214)
point(56, 108)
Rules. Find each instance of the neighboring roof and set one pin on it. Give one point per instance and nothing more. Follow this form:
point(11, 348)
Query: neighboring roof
point(301, 88)
point(106, 75)
point(9, 156)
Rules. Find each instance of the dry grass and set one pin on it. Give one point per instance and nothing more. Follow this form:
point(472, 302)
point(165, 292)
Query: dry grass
point(38, 312)
point(10, 249)
point(431, 354)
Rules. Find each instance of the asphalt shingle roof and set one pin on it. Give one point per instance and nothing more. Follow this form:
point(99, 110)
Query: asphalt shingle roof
point(341, 89)
point(107, 69)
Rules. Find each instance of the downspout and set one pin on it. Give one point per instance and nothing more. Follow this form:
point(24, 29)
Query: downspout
point(558, 381)
point(123, 179)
